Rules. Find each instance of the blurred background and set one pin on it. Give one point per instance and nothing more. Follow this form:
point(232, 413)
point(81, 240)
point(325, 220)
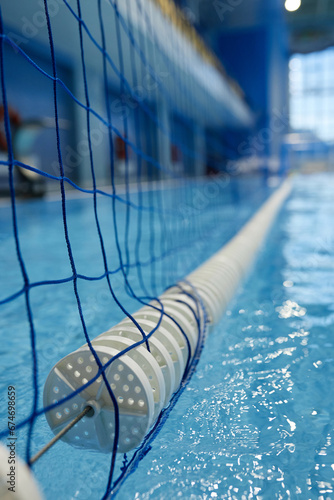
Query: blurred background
point(281, 53)
point(258, 98)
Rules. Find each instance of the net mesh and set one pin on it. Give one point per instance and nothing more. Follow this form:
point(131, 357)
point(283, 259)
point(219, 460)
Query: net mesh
point(127, 109)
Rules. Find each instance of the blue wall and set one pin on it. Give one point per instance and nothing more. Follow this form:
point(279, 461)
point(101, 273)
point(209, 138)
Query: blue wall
point(243, 53)
point(256, 55)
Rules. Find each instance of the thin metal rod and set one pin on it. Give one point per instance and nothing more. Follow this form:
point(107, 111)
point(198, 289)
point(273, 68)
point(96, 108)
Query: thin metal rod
point(60, 434)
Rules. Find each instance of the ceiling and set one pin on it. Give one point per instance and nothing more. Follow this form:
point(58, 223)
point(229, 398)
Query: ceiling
point(311, 27)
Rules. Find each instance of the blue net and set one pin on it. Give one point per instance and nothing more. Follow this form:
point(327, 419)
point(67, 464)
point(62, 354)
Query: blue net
point(115, 111)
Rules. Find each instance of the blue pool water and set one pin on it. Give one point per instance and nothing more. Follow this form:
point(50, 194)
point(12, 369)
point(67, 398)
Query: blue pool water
point(256, 420)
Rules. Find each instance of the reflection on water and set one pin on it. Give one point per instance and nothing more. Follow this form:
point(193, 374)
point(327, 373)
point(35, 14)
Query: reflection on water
point(257, 419)
point(289, 309)
point(160, 246)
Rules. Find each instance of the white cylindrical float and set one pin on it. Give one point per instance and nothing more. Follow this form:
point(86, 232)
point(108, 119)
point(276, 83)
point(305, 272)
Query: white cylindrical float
point(16, 479)
point(144, 377)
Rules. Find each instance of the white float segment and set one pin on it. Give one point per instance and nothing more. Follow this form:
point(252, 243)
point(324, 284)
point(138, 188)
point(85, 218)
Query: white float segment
point(173, 350)
point(23, 482)
point(146, 361)
point(130, 385)
point(169, 326)
point(143, 380)
point(157, 349)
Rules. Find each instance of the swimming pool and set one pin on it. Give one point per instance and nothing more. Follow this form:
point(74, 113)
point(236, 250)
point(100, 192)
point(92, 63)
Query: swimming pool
point(255, 421)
